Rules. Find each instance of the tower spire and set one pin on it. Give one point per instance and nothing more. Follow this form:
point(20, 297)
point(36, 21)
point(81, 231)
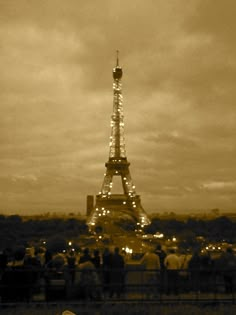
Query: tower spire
point(117, 71)
point(117, 58)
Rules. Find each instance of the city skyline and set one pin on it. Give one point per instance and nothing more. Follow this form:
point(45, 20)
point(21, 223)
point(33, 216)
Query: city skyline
point(178, 60)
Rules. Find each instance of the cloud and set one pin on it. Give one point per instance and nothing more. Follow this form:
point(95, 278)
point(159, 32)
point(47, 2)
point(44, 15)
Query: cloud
point(56, 100)
point(222, 187)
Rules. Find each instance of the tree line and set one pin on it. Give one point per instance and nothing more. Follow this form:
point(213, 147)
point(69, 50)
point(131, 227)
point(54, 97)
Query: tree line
point(13, 229)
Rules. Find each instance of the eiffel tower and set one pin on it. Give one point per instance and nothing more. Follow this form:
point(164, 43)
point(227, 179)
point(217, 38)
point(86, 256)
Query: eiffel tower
point(116, 206)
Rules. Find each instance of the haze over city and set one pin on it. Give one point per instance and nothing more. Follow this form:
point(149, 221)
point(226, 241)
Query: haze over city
point(178, 59)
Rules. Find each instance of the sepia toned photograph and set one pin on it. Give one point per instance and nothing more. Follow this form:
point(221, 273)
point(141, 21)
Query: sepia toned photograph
point(117, 157)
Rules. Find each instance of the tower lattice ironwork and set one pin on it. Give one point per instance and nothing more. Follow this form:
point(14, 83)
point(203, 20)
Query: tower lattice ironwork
point(128, 203)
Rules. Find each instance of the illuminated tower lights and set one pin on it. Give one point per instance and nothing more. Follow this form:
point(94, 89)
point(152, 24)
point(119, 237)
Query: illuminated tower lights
point(117, 164)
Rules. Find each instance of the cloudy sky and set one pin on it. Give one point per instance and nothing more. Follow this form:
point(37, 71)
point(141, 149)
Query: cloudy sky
point(56, 60)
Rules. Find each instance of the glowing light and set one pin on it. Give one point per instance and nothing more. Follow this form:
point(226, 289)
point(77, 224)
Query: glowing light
point(158, 235)
point(128, 250)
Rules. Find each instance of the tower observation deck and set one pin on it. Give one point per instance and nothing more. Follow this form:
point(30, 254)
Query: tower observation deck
point(110, 206)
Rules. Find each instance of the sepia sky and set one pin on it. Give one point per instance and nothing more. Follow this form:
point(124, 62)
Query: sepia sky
point(179, 90)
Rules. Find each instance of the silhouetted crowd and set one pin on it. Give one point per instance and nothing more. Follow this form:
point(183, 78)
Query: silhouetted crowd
point(184, 272)
point(85, 276)
point(96, 275)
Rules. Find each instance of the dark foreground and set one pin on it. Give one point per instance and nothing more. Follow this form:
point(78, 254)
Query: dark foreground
point(144, 308)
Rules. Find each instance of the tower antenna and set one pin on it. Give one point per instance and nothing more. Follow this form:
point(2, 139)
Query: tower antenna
point(117, 58)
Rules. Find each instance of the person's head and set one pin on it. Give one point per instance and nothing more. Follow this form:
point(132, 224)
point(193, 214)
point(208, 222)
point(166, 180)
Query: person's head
point(172, 250)
point(158, 247)
point(86, 251)
point(116, 250)
point(96, 252)
point(106, 251)
point(19, 253)
point(71, 253)
point(58, 261)
point(229, 250)
point(196, 252)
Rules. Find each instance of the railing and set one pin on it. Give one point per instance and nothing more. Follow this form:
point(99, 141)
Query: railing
point(132, 284)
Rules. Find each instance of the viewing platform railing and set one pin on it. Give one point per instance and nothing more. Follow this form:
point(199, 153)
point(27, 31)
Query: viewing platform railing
point(132, 284)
